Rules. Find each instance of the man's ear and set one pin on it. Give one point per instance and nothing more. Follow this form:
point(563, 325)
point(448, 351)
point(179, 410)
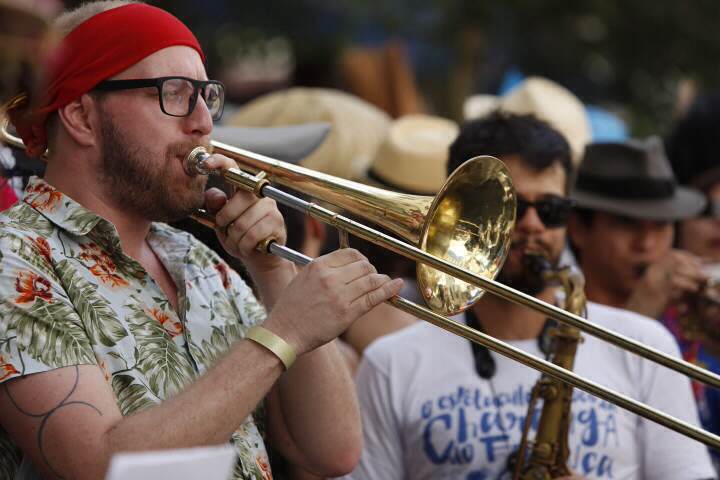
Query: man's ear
point(80, 120)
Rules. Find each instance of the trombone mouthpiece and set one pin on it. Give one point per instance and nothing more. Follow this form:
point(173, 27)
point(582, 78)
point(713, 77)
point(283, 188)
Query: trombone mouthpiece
point(195, 162)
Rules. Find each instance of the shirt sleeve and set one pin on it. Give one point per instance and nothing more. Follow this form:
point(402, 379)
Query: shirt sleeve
point(40, 329)
point(668, 455)
point(382, 448)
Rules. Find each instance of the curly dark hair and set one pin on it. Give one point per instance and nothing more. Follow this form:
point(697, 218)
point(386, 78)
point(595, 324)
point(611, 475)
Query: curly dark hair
point(501, 133)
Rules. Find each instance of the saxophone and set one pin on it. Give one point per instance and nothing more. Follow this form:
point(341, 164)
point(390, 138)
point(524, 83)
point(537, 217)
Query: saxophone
point(548, 456)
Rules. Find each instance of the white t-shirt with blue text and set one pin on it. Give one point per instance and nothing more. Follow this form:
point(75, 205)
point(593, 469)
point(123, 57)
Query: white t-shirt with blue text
point(428, 415)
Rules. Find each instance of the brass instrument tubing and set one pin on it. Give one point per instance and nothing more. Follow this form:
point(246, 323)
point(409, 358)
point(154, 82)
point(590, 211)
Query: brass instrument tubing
point(248, 181)
point(518, 355)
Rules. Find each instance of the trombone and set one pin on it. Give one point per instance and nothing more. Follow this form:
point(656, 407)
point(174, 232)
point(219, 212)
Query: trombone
point(464, 229)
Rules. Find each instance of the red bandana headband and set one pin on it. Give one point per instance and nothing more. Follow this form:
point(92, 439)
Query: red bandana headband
point(99, 48)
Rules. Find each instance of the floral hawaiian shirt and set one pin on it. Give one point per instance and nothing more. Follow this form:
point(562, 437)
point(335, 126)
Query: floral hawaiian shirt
point(70, 296)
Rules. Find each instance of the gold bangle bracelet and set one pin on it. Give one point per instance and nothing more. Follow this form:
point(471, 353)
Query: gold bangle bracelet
point(274, 343)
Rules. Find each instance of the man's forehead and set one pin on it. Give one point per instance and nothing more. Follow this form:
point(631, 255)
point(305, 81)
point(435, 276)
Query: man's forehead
point(176, 60)
point(532, 181)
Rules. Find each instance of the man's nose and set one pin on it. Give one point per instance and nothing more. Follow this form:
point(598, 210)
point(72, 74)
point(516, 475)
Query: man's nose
point(530, 221)
point(647, 236)
point(199, 122)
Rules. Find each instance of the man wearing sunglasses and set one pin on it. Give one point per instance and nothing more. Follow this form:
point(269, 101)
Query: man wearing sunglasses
point(436, 406)
point(119, 333)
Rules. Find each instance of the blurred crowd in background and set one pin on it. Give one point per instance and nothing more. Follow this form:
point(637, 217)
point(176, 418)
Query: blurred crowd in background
point(395, 81)
point(638, 61)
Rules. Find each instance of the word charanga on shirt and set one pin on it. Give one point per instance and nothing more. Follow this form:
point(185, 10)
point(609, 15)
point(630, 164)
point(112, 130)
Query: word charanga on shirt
point(70, 296)
point(428, 415)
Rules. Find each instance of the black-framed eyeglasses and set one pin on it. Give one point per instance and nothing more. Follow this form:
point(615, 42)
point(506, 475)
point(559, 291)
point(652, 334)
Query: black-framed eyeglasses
point(178, 95)
point(553, 211)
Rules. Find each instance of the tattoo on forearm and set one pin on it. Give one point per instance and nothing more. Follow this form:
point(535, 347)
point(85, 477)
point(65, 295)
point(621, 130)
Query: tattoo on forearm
point(45, 416)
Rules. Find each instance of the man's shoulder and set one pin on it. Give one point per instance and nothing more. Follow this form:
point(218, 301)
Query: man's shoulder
point(21, 220)
point(406, 343)
point(631, 324)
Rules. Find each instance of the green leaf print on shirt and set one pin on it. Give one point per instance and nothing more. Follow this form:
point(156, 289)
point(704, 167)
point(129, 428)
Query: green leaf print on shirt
point(50, 333)
point(26, 218)
point(83, 220)
point(131, 397)
point(98, 317)
point(160, 359)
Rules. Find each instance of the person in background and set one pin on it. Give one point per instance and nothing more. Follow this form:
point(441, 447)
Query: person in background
point(550, 102)
point(626, 202)
point(692, 147)
point(435, 405)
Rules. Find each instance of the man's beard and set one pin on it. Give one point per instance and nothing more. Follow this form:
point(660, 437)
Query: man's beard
point(527, 277)
point(136, 182)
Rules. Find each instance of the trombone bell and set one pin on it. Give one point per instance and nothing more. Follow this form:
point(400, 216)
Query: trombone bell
point(470, 225)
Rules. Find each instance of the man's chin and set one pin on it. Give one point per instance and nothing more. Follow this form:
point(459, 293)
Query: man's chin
point(523, 280)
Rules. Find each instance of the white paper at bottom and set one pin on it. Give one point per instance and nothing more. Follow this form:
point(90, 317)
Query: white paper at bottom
point(206, 463)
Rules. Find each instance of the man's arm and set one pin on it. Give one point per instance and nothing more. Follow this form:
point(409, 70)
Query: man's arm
point(65, 417)
point(312, 413)
point(68, 423)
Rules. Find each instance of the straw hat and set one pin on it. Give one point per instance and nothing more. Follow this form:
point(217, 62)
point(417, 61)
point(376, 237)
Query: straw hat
point(357, 128)
point(546, 100)
point(414, 153)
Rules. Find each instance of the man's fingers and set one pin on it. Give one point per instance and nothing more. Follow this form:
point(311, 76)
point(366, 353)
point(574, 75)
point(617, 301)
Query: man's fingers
point(692, 275)
point(384, 288)
point(240, 203)
point(340, 258)
point(215, 199)
point(355, 270)
point(681, 285)
point(248, 238)
point(250, 216)
point(217, 161)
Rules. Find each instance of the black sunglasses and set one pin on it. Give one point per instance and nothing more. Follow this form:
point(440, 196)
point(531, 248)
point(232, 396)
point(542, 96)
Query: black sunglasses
point(553, 211)
point(178, 95)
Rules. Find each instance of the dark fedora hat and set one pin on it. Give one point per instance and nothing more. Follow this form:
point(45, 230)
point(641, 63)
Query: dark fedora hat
point(633, 179)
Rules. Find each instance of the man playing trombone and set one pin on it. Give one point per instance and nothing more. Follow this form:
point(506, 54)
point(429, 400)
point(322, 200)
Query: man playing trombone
point(435, 406)
point(120, 333)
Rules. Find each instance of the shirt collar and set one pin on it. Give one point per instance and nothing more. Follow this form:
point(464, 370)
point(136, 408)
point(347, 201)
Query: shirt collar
point(69, 215)
point(62, 210)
